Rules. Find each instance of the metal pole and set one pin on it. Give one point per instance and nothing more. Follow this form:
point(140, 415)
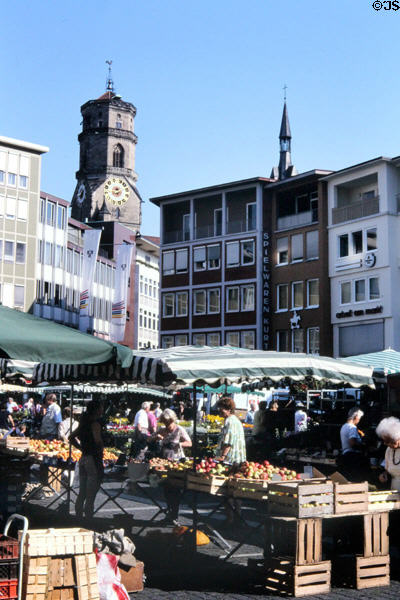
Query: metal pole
point(71, 404)
point(195, 514)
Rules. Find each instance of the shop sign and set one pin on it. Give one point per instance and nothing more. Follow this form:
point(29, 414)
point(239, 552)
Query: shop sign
point(266, 289)
point(359, 313)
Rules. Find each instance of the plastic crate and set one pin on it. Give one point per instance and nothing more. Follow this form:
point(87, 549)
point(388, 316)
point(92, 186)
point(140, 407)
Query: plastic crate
point(8, 570)
point(9, 589)
point(9, 548)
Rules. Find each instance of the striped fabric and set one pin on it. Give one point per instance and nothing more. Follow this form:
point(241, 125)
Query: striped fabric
point(385, 362)
point(201, 365)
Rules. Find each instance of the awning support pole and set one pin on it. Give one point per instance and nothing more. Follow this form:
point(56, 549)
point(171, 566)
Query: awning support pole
point(195, 513)
point(71, 404)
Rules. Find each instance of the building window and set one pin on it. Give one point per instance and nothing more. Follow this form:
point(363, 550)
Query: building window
point(199, 339)
point(343, 245)
point(23, 181)
point(181, 340)
point(297, 247)
point(251, 216)
point(118, 156)
point(2, 177)
point(232, 299)
point(20, 253)
point(167, 341)
point(19, 295)
point(58, 258)
point(12, 179)
point(282, 340)
point(213, 301)
point(199, 258)
point(168, 305)
point(8, 251)
point(233, 339)
point(247, 252)
point(282, 251)
point(313, 340)
point(372, 243)
point(10, 208)
point(1, 249)
point(57, 295)
point(42, 210)
point(50, 213)
point(181, 304)
point(359, 290)
point(181, 261)
point(22, 210)
point(48, 252)
point(313, 293)
point(213, 339)
point(232, 254)
point(214, 256)
point(60, 217)
point(297, 340)
point(282, 301)
point(312, 250)
point(217, 221)
point(345, 292)
point(186, 227)
point(168, 263)
point(248, 339)
point(247, 297)
point(199, 300)
point(297, 294)
point(374, 288)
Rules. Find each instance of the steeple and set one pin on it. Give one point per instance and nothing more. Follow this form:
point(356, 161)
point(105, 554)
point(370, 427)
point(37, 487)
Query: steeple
point(285, 169)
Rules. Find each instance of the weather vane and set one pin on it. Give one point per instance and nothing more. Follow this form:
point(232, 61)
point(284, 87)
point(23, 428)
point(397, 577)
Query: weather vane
point(109, 80)
point(284, 92)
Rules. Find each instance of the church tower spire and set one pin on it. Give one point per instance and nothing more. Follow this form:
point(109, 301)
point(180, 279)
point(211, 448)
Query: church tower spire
point(285, 168)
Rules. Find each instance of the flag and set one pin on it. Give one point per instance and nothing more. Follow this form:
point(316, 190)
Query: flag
point(91, 242)
point(119, 305)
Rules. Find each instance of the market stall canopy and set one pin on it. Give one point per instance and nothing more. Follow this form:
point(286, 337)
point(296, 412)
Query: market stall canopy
point(30, 339)
point(384, 362)
point(218, 365)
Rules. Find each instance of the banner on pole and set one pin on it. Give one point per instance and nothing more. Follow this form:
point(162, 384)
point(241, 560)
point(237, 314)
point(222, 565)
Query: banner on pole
point(119, 305)
point(91, 243)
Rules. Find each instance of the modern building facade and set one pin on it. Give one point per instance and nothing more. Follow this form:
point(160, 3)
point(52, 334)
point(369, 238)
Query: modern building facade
point(20, 168)
point(211, 265)
point(147, 283)
point(364, 234)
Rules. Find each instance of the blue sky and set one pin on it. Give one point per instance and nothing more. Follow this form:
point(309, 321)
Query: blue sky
point(206, 78)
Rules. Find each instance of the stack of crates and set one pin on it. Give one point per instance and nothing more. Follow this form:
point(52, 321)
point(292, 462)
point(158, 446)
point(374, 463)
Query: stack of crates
point(14, 474)
point(9, 565)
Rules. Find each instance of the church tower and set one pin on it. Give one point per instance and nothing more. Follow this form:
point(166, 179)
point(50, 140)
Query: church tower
point(285, 169)
point(106, 179)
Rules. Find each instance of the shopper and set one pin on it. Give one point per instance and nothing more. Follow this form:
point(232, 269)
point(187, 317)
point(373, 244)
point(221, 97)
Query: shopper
point(30, 408)
point(389, 431)
point(12, 406)
point(141, 433)
point(64, 428)
point(152, 419)
point(51, 419)
point(157, 411)
point(353, 461)
point(249, 419)
point(6, 420)
point(88, 438)
point(300, 418)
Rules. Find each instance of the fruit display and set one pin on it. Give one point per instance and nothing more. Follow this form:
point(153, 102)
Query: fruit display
point(59, 449)
point(209, 466)
point(265, 471)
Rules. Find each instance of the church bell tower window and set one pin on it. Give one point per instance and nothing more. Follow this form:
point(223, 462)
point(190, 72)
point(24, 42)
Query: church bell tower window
point(118, 156)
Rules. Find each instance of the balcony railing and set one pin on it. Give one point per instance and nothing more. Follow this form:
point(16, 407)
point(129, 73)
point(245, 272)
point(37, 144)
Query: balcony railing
point(356, 210)
point(171, 237)
point(206, 231)
point(297, 220)
point(239, 227)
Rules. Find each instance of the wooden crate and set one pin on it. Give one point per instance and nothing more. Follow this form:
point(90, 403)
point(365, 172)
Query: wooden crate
point(300, 499)
point(253, 489)
point(351, 498)
point(35, 580)
point(373, 571)
point(176, 478)
point(376, 538)
point(61, 594)
point(58, 542)
point(61, 573)
point(133, 578)
point(216, 486)
point(383, 500)
point(284, 577)
point(16, 443)
point(86, 577)
point(300, 539)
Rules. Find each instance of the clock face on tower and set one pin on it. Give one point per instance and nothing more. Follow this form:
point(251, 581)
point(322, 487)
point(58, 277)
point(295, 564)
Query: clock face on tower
point(116, 191)
point(81, 193)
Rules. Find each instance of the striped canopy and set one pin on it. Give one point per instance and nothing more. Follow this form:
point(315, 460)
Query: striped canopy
point(385, 362)
point(188, 365)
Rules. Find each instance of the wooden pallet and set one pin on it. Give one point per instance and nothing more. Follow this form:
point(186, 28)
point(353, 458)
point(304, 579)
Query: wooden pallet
point(383, 500)
point(35, 581)
point(376, 539)
point(253, 489)
point(351, 498)
point(58, 542)
point(300, 499)
point(216, 486)
point(300, 539)
point(283, 576)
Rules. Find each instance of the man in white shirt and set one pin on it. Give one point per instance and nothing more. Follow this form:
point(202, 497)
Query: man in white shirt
point(157, 411)
point(12, 406)
point(300, 418)
point(51, 419)
point(250, 413)
point(141, 424)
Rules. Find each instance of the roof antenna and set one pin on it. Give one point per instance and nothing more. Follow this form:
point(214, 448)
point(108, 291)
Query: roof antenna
point(109, 80)
point(284, 92)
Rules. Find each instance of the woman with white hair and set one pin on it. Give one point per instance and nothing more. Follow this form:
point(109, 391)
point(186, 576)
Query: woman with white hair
point(389, 431)
point(352, 460)
point(173, 437)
